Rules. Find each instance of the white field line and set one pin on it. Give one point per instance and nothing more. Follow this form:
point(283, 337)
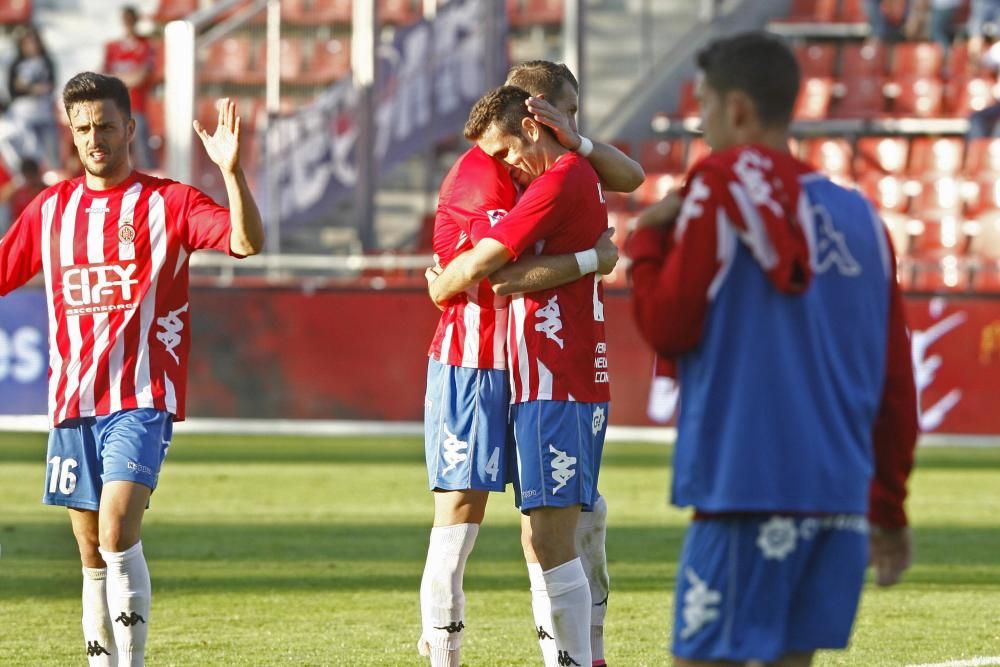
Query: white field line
point(971, 662)
point(349, 428)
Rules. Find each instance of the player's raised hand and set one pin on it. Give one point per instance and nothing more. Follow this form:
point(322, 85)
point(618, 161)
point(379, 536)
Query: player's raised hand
point(561, 124)
point(890, 552)
point(223, 147)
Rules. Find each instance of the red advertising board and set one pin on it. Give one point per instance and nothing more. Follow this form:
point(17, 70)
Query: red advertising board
point(359, 354)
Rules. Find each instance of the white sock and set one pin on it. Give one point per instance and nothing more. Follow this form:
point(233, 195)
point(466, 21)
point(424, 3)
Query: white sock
point(442, 600)
point(542, 611)
point(569, 596)
point(129, 594)
point(97, 631)
point(591, 535)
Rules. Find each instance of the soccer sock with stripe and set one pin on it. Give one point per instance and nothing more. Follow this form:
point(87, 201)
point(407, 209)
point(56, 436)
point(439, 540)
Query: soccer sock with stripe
point(442, 600)
point(569, 595)
point(129, 595)
point(97, 631)
point(542, 611)
point(591, 535)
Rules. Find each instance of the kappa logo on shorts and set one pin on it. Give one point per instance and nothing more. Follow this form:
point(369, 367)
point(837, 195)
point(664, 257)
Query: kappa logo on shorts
point(138, 467)
point(777, 537)
point(599, 418)
point(562, 468)
point(700, 604)
point(454, 451)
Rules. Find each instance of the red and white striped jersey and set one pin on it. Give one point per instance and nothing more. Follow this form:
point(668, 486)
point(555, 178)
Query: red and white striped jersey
point(116, 279)
point(475, 195)
point(557, 347)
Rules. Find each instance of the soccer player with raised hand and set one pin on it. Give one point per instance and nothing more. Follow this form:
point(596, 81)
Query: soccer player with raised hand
point(775, 291)
point(113, 246)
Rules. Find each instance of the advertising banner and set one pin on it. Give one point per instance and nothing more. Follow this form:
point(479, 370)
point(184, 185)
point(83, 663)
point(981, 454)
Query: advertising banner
point(362, 354)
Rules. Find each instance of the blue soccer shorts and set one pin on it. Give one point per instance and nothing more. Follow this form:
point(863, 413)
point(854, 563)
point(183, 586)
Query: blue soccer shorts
point(87, 452)
point(466, 428)
point(757, 587)
point(559, 446)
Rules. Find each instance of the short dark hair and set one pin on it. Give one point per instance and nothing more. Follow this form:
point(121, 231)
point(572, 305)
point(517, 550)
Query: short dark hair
point(131, 12)
point(758, 64)
point(91, 87)
point(542, 77)
point(504, 106)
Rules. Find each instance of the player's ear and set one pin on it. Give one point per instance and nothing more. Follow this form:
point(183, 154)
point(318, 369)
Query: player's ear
point(531, 128)
point(739, 108)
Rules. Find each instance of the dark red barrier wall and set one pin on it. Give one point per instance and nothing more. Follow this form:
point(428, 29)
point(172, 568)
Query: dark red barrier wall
point(362, 355)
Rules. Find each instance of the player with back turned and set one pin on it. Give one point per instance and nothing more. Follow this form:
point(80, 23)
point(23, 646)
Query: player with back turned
point(775, 291)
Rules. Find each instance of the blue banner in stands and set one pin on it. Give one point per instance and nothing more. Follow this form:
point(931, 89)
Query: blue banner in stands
point(23, 353)
point(429, 77)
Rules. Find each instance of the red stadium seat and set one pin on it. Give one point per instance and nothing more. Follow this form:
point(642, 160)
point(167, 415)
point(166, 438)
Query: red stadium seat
point(986, 275)
point(851, 11)
point(230, 60)
point(330, 60)
point(982, 155)
point(957, 63)
point(885, 154)
point(942, 273)
point(984, 236)
point(14, 12)
point(831, 156)
point(917, 59)
point(172, 10)
point(159, 59)
point(982, 195)
point(939, 197)
point(662, 155)
point(897, 224)
point(292, 59)
point(922, 98)
point(813, 102)
point(313, 12)
point(528, 13)
point(862, 61)
point(687, 106)
point(816, 60)
point(397, 12)
point(887, 192)
point(811, 11)
point(968, 95)
point(863, 98)
point(935, 156)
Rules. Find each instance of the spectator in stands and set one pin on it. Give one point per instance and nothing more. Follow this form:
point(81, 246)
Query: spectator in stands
point(932, 18)
point(131, 60)
point(881, 29)
point(31, 184)
point(32, 80)
point(983, 12)
point(983, 122)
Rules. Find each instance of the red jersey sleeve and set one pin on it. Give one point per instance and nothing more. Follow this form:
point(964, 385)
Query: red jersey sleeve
point(672, 271)
point(21, 248)
point(206, 225)
point(546, 203)
point(894, 434)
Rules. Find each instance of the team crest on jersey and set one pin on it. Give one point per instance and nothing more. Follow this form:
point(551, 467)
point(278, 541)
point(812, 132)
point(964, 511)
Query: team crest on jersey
point(495, 216)
point(126, 233)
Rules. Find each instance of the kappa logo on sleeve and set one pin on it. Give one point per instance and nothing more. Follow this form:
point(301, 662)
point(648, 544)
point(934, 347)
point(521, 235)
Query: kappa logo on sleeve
point(495, 215)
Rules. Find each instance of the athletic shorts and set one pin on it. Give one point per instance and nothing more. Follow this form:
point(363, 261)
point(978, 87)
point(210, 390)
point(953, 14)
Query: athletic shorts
point(559, 446)
point(757, 587)
point(466, 428)
point(87, 452)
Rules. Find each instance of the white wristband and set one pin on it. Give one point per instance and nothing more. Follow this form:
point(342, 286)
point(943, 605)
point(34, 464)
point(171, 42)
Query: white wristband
point(586, 146)
point(587, 261)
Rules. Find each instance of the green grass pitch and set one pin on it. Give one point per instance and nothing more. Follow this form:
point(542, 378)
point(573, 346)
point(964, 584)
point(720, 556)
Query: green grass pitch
point(298, 551)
